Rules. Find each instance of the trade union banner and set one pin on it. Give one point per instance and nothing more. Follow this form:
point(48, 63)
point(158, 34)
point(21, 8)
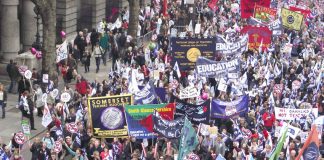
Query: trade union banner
point(139, 125)
point(247, 6)
point(225, 110)
point(291, 20)
point(168, 129)
point(230, 48)
point(188, 92)
point(264, 14)
point(292, 114)
point(196, 113)
point(107, 115)
point(274, 26)
point(186, 51)
point(146, 95)
point(218, 69)
point(257, 36)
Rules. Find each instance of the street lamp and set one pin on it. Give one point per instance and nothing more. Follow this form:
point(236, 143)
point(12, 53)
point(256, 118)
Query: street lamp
point(37, 44)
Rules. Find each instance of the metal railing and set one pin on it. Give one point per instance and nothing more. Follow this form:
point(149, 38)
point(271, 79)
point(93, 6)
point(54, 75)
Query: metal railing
point(146, 38)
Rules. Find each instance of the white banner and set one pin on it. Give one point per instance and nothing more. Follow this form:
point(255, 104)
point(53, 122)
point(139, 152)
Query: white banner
point(47, 117)
point(189, 92)
point(291, 114)
point(62, 52)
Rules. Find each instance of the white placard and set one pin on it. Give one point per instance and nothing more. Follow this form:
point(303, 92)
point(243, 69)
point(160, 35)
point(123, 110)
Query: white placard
point(45, 78)
point(292, 114)
point(197, 28)
point(44, 98)
point(54, 93)
point(188, 92)
point(28, 74)
point(65, 97)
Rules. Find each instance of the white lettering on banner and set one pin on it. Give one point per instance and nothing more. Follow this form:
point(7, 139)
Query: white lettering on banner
point(232, 46)
point(291, 114)
point(189, 92)
point(230, 65)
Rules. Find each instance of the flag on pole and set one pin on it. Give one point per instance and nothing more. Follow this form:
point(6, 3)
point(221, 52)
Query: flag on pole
point(177, 69)
point(276, 152)
point(62, 52)
point(188, 140)
point(310, 148)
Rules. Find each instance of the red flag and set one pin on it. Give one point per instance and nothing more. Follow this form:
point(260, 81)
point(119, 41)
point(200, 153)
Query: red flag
point(247, 6)
point(165, 7)
point(310, 148)
point(258, 35)
point(212, 5)
point(147, 122)
point(305, 12)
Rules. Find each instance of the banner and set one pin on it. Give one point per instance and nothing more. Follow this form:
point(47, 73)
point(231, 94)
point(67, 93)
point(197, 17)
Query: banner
point(274, 26)
point(225, 110)
point(188, 140)
point(292, 114)
point(236, 47)
point(212, 4)
point(136, 113)
point(258, 35)
point(310, 149)
point(186, 51)
point(247, 6)
point(291, 20)
point(305, 12)
point(168, 129)
point(218, 69)
point(188, 92)
point(196, 113)
point(107, 115)
point(264, 14)
point(160, 92)
point(62, 52)
point(146, 95)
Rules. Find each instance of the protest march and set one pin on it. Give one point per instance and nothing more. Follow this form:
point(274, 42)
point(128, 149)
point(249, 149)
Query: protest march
point(217, 80)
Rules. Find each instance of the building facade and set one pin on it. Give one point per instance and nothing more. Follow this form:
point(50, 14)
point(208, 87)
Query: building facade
point(18, 24)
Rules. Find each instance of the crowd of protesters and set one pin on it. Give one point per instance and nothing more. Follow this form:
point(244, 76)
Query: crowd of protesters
point(261, 123)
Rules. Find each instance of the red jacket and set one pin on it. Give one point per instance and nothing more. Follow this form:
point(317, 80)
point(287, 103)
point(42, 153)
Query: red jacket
point(268, 119)
point(81, 87)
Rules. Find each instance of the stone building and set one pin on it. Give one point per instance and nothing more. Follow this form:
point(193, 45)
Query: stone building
point(18, 23)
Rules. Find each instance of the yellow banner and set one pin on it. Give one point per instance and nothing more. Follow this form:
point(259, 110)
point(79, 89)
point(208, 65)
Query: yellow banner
point(290, 19)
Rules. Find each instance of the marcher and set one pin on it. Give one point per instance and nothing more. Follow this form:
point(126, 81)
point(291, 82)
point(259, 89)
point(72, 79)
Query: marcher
point(3, 100)
point(97, 52)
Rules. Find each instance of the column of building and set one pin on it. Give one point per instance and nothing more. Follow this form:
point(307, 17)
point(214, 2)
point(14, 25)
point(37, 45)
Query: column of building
point(66, 12)
point(10, 31)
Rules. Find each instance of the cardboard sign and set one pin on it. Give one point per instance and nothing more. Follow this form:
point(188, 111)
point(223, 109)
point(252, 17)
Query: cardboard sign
point(22, 70)
point(65, 97)
point(45, 78)
point(57, 147)
point(291, 114)
point(25, 127)
point(28, 74)
point(189, 92)
point(54, 93)
point(72, 127)
point(20, 138)
point(44, 98)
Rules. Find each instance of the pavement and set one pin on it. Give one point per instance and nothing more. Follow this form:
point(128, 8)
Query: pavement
point(12, 122)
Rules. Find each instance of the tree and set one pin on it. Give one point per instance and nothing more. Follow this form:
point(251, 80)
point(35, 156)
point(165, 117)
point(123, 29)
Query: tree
point(134, 9)
point(47, 11)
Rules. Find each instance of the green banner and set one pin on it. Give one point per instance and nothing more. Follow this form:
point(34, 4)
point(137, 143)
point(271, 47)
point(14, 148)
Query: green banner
point(25, 127)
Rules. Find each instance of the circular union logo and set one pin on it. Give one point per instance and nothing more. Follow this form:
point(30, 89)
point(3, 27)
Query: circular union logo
point(112, 118)
point(193, 54)
point(290, 19)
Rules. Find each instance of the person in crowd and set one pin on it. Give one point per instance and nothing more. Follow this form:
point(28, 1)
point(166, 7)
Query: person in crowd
point(3, 100)
point(97, 53)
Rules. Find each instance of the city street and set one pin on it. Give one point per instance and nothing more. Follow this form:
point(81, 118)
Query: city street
point(12, 122)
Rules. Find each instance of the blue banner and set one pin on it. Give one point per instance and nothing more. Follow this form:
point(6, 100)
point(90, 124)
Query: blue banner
point(225, 110)
point(196, 113)
point(218, 69)
point(166, 128)
point(147, 95)
point(160, 92)
point(185, 51)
